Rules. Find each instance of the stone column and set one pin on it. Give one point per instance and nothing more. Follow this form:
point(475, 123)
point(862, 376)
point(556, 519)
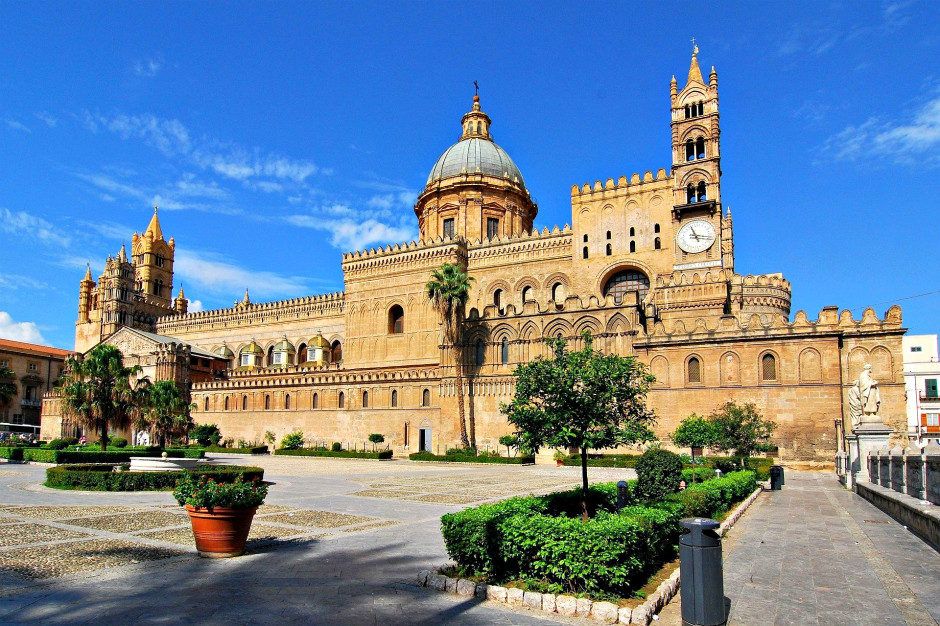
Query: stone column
point(863, 440)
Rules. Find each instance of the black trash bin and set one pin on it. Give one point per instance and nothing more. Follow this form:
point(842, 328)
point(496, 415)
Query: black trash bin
point(700, 568)
point(776, 477)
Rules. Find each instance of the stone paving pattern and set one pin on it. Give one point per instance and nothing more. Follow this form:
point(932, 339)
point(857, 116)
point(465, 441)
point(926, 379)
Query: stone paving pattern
point(344, 557)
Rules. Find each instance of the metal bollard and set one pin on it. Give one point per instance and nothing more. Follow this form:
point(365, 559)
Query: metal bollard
point(776, 477)
point(700, 570)
point(623, 494)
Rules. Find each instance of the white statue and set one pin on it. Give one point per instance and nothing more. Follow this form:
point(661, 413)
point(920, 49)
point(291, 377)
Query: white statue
point(143, 438)
point(864, 398)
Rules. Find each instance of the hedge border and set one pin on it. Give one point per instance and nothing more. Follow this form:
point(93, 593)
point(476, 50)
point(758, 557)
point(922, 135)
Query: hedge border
point(384, 455)
point(466, 458)
point(101, 477)
point(60, 457)
point(248, 450)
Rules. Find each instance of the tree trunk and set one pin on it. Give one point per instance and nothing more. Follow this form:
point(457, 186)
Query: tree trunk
point(460, 408)
point(104, 436)
point(693, 466)
point(584, 485)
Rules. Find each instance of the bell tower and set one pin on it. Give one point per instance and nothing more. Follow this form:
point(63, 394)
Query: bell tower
point(153, 261)
point(696, 172)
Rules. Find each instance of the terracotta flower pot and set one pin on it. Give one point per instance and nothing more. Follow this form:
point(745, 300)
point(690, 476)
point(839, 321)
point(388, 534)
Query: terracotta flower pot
point(221, 532)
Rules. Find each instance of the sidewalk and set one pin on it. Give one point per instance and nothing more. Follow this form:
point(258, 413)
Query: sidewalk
point(814, 553)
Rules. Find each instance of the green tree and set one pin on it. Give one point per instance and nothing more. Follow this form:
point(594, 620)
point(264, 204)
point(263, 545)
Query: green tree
point(7, 385)
point(448, 290)
point(210, 435)
point(510, 441)
point(376, 438)
point(583, 399)
point(742, 429)
point(694, 432)
point(166, 411)
point(98, 392)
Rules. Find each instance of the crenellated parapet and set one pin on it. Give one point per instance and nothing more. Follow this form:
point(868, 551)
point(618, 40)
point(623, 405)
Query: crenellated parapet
point(330, 375)
point(251, 313)
point(767, 294)
point(414, 255)
point(634, 184)
point(526, 246)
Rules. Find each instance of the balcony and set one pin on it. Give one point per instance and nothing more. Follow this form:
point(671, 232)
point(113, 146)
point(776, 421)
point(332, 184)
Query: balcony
point(31, 403)
point(926, 397)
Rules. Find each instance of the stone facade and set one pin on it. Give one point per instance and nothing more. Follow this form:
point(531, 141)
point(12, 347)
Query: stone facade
point(646, 265)
point(35, 370)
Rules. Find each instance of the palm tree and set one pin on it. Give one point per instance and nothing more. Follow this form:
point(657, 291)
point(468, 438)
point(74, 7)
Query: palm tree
point(448, 291)
point(166, 411)
point(98, 393)
point(7, 385)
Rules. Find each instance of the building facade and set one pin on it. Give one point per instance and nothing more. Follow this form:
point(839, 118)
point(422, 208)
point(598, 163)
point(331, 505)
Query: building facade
point(35, 369)
point(921, 375)
point(646, 265)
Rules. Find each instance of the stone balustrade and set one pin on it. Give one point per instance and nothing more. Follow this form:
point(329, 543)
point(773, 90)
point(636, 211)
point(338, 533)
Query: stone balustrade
point(910, 471)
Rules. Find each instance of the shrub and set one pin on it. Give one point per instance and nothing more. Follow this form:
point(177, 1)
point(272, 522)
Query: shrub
point(376, 438)
point(384, 455)
point(39, 455)
point(118, 442)
point(712, 497)
point(103, 478)
point(70, 440)
point(604, 460)
point(658, 474)
point(701, 474)
point(336, 447)
point(57, 444)
point(241, 450)
point(293, 441)
point(11, 453)
point(205, 492)
point(601, 497)
point(504, 460)
point(206, 434)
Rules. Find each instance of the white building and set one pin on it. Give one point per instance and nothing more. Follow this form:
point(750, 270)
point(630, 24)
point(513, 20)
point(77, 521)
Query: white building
point(921, 374)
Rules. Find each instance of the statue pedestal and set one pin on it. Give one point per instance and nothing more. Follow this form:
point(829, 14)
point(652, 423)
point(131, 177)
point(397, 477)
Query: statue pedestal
point(864, 439)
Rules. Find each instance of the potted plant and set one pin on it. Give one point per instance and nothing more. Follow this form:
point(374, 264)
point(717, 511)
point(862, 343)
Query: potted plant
point(220, 513)
point(559, 457)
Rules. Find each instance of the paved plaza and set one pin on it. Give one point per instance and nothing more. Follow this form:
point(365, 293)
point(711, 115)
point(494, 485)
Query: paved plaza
point(340, 541)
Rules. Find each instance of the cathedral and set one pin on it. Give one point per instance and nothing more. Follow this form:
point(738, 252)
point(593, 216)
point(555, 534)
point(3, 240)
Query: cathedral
point(646, 265)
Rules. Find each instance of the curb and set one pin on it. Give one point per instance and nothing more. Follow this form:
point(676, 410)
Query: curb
point(569, 606)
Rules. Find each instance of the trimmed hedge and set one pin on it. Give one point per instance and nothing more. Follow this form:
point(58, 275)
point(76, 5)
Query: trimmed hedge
point(58, 457)
point(384, 455)
point(103, 478)
point(541, 539)
point(249, 450)
point(11, 454)
point(701, 474)
point(726, 464)
point(604, 460)
point(468, 458)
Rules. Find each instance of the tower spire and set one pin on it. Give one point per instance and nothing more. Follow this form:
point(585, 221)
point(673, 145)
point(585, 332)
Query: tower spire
point(475, 123)
point(88, 272)
point(153, 228)
point(695, 73)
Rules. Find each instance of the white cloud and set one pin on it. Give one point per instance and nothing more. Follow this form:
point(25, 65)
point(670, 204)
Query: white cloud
point(170, 137)
point(147, 67)
point(219, 276)
point(18, 126)
point(48, 118)
point(20, 331)
point(349, 235)
point(240, 164)
point(903, 141)
point(24, 224)
point(14, 281)
point(393, 200)
point(195, 306)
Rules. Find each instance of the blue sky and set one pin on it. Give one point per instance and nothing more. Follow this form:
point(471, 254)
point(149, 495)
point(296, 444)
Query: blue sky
point(275, 136)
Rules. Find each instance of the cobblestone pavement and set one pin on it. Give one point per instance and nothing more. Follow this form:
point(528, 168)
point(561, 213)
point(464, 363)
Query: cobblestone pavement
point(338, 542)
point(816, 554)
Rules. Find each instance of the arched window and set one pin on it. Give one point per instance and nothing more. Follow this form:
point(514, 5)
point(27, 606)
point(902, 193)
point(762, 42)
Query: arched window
point(526, 294)
point(396, 320)
point(657, 244)
point(626, 281)
point(315, 403)
point(365, 399)
point(558, 293)
point(632, 231)
point(479, 128)
point(226, 404)
point(426, 397)
point(244, 403)
point(480, 352)
point(504, 351)
point(694, 367)
point(287, 401)
point(584, 252)
point(498, 298)
point(336, 352)
point(608, 234)
point(655, 228)
point(700, 148)
point(609, 249)
point(206, 407)
point(768, 367)
point(690, 194)
point(632, 246)
point(394, 398)
point(701, 191)
point(270, 360)
point(585, 238)
point(341, 402)
point(302, 354)
point(689, 150)
point(267, 402)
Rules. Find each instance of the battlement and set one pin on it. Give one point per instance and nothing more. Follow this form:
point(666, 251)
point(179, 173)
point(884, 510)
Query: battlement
point(621, 184)
point(332, 374)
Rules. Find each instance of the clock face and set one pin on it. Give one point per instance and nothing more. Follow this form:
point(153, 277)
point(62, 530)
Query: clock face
point(696, 236)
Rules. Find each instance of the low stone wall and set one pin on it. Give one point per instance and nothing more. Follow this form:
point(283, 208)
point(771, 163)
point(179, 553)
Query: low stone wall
point(923, 519)
point(911, 471)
